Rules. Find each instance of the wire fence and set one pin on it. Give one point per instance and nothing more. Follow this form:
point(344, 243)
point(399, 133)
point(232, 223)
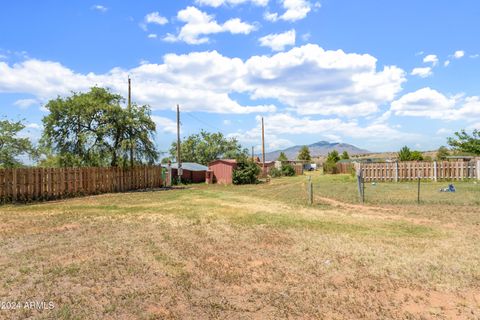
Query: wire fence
point(348, 188)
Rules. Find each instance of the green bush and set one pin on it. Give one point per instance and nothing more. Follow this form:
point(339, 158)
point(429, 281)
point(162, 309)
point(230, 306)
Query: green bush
point(275, 173)
point(288, 170)
point(330, 167)
point(246, 172)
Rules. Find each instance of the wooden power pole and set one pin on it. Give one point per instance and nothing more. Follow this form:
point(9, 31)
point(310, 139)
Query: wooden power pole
point(179, 163)
point(263, 147)
point(130, 110)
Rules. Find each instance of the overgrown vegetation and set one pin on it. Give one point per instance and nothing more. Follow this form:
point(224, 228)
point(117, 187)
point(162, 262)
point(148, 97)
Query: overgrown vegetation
point(442, 153)
point(92, 129)
point(466, 143)
point(330, 164)
point(12, 145)
point(246, 172)
point(205, 147)
point(405, 154)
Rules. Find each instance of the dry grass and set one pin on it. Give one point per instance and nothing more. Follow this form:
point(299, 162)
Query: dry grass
point(241, 252)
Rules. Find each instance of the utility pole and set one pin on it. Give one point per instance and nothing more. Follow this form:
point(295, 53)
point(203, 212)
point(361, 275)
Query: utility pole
point(253, 153)
point(179, 163)
point(131, 129)
point(263, 147)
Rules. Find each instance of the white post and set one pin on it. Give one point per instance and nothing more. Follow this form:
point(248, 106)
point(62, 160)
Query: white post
point(435, 171)
point(478, 169)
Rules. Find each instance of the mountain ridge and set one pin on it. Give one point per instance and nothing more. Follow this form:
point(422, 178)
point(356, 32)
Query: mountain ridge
point(317, 149)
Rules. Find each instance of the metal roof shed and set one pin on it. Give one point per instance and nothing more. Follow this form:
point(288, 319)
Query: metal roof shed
point(191, 171)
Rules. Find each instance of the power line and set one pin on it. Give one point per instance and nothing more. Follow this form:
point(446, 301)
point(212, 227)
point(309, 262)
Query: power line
point(203, 122)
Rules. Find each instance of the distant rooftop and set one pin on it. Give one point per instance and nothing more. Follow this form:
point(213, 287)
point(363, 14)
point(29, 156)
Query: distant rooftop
point(190, 166)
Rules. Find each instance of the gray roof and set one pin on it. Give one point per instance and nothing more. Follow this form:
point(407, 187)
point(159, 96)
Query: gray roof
point(190, 166)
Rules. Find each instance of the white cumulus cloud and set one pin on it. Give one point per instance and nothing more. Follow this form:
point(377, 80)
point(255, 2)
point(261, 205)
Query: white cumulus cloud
point(312, 80)
point(155, 18)
point(294, 10)
point(198, 25)
point(431, 103)
point(308, 80)
point(422, 72)
point(218, 3)
point(278, 41)
point(459, 54)
point(431, 58)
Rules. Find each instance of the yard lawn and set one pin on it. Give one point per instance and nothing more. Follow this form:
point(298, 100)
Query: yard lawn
point(246, 252)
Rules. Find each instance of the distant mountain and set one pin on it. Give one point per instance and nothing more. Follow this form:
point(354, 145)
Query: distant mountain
point(317, 149)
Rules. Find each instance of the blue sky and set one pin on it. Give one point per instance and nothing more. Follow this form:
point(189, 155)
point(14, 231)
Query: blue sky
point(377, 74)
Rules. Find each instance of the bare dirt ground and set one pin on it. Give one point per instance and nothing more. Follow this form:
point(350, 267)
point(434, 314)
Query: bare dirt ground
point(254, 252)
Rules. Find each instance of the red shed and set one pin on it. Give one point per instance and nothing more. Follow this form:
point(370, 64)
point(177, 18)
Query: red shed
point(222, 170)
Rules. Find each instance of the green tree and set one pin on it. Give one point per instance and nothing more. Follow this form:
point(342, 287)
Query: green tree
point(206, 147)
point(282, 157)
point(345, 155)
point(246, 172)
point(464, 142)
point(304, 154)
point(416, 156)
point(330, 165)
point(333, 156)
point(405, 154)
point(92, 129)
point(442, 153)
point(12, 145)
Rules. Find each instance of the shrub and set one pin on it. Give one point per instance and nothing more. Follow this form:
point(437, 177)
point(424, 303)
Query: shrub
point(288, 170)
point(275, 173)
point(330, 166)
point(246, 172)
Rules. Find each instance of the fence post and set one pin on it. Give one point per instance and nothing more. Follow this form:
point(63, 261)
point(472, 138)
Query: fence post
point(361, 185)
point(14, 184)
point(396, 171)
point(435, 171)
point(418, 193)
point(310, 190)
point(478, 169)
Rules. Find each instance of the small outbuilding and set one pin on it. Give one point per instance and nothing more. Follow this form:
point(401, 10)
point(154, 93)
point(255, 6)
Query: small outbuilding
point(221, 171)
point(191, 172)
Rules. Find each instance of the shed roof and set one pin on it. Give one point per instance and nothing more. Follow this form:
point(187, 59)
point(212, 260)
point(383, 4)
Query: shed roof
point(228, 161)
point(190, 166)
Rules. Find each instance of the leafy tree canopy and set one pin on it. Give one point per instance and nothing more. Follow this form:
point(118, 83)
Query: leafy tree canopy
point(333, 157)
point(416, 156)
point(12, 145)
point(442, 153)
point(282, 157)
point(304, 154)
point(464, 142)
point(405, 154)
point(205, 147)
point(345, 155)
point(92, 129)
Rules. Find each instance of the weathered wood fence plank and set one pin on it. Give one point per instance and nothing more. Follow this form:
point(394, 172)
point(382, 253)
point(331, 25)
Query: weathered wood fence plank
point(45, 184)
point(412, 170)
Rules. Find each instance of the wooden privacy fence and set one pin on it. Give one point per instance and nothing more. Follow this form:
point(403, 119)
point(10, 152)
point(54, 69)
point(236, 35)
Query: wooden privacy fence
point(412, 170)
point(54, 183)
